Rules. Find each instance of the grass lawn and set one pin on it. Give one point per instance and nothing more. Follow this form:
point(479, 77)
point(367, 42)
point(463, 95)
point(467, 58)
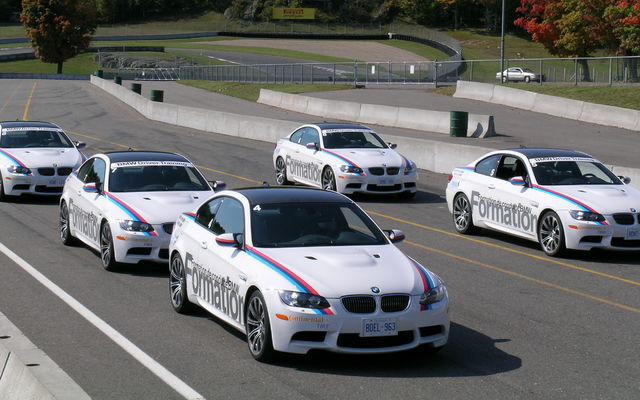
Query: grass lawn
point(251, 91)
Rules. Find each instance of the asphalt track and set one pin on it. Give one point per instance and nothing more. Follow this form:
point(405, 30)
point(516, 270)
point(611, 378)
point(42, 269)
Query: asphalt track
point(523, 325)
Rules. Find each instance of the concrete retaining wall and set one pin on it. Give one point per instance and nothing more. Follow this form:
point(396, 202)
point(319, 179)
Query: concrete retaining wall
point(27, 373)
point(558, 106)
point(431, 155)
point(399, 117)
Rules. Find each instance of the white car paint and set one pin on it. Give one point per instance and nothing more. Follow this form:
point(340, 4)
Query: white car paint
point(596, 209)
point(360, 162)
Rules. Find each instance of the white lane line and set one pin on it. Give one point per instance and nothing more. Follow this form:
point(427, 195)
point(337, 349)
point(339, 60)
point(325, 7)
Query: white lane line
point(152, 365)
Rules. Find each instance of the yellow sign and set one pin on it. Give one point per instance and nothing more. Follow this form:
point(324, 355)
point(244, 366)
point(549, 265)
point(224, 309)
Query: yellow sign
point(294, 13)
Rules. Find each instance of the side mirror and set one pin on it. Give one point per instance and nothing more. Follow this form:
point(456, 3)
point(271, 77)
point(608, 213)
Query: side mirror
point(395, 235)
point(392, 146)
point(92, 187)
point(231, 240)
point(625, 179)
point(217, 185)
point(517, 181)
point(80, 145)
point(312, 146)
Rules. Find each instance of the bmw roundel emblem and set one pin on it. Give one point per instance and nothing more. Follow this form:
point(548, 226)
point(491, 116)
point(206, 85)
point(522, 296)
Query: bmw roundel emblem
point(375, 289)
point(633, 209)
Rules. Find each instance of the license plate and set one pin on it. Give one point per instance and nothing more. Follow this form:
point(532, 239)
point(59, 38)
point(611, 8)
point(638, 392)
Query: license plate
point(633, 234)
point(385, 182)
point(55, 182)
point(379, 327)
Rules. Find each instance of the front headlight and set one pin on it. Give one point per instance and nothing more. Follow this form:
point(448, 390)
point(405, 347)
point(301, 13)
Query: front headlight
point(435, 294)
point(304, 300)
point(586, 216)
point(136, 226)
point(350, 169)
point(410, 168)
point(17, 169)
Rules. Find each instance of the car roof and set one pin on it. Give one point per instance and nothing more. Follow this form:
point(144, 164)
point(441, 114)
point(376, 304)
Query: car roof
point(338, 125)
point(120, 156)
point(290, 194)
point(540, 153)
point(22, 124)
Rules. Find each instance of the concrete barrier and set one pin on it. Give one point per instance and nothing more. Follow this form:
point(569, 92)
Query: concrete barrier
point(27, 373)
point(432, 155)
point(400, 117)
point(557, 106)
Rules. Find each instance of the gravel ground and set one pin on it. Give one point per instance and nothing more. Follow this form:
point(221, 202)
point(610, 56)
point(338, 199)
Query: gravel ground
point(353, 49)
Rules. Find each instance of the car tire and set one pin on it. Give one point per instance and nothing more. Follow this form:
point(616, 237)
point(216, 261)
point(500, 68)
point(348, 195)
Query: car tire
point(551, 234)
point(281, 172)
point(107, 252)
point(328, 179)
point(258, 329)
point(178, 286)
point(527, 79)
point(63, 226)
point(3, 196)
point(504, 79)
point(462, 214)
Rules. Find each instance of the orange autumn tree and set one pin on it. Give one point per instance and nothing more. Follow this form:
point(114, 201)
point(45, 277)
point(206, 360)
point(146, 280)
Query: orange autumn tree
point(624, 18)
point(59, 29)
point(566, 28)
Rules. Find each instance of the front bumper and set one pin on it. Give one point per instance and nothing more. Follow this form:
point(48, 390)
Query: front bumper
point(296, 330)
point(18, 184)
point(376, 184)
point(614, 236)
point(133, 247)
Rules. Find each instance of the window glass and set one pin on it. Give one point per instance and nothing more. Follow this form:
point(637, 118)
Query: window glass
point(353, 140)
point(229, 218)
point(310, 136)
point(85, 168)
point(207, 212)
point(297, 135)
point(574, 172)
point(152, 178)
point(488, 165)
point(509, 167)
point(20, 137)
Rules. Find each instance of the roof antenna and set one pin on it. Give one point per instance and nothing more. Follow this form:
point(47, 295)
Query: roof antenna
point(265, 183)
point(129, 149)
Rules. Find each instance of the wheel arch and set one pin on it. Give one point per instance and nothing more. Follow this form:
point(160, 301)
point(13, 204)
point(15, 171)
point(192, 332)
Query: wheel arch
point(252, 288)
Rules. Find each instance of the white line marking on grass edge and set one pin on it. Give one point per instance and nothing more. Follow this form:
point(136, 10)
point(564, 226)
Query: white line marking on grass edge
point(152, 365)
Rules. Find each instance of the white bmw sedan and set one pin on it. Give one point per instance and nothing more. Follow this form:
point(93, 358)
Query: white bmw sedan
point(124, 204)
point(35, 158)
point(347, 158)
point(299, 269)
point(560, 198)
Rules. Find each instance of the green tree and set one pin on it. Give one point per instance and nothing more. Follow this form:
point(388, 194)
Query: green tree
point(623, 16)
point(59, 29)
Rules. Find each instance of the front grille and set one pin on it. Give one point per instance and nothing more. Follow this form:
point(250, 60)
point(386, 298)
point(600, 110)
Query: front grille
point(394, 302)
point(623, 218)
point(48, 189)
point(393, 171)
point(376, 188)
point(46, 171)
point(359, 304)
point(376, 171)
point(622, 242)
point(353, 340)
point(168, 228)
point(64, 171)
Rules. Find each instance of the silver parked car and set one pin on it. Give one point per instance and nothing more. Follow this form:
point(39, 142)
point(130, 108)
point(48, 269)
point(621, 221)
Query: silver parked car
point(517, 74)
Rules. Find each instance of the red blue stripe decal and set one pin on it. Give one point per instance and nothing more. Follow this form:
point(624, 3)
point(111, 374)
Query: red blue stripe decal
point(128, 210)
point(191, 216)
point(298, 282)
point(427, 283)
point(225, 242)
point(14, 160)
point(580, 204)
point(345, 159)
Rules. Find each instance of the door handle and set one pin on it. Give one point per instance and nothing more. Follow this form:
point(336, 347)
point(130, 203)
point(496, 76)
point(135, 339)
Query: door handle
point(491, 186)
point(203, 245)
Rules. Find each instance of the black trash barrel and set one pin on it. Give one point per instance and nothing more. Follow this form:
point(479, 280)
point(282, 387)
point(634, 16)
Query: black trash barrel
point(136, 87)
point(458, 123)
point(157, 95)
point(117, 80)
point(99, 73)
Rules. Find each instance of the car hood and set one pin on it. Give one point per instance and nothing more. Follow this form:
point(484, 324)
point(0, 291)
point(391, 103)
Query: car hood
point(604, 199)
point(365, 158)
point(339, 271)
point(46, 157)
point(156, 207)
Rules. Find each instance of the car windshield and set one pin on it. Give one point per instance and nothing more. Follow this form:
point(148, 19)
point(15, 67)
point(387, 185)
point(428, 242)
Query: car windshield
point(21, 137)
point(527, 70)
point(352, 140)
point(312, 224)
point(147, 177)
point(572, 171)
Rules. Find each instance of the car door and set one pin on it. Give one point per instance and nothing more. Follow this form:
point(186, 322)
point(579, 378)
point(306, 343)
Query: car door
point(479, 184)
point(514, 206)
point(217, 277)
point(309, 153)
point(86, 202)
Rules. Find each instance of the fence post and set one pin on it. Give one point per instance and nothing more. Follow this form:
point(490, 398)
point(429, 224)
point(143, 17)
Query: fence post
point(312, 74)
point(610, 71)
point(334, 74)
point(355, 73)
point(435, 73)
point(389, 72)
point(541, 72)
point(575, 71)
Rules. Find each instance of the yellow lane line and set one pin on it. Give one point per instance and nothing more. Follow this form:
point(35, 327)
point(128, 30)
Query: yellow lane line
point(102, 140)
point(13, 92)
point(528, 278)
point(26, 107)
point(228, 174)
point(541, 258)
